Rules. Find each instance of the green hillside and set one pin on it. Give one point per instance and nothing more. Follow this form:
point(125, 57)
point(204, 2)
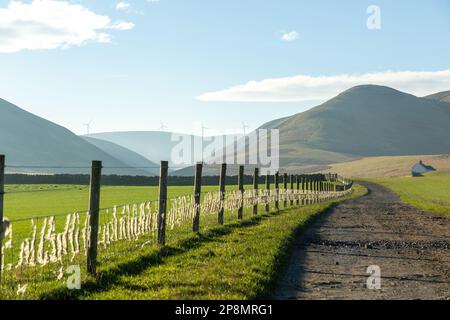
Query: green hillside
point(365, 121)
point(443, 96)
point(430, 193)
point(31, 143)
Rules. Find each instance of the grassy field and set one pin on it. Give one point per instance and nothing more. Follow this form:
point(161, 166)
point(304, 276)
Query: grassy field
point(383, 167)
point(119, 264)
point(26, 201)
point(240, 260)
point(430, 193)
point(23, 202)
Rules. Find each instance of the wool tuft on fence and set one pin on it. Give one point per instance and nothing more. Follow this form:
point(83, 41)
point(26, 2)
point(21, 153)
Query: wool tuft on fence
point(61, 240)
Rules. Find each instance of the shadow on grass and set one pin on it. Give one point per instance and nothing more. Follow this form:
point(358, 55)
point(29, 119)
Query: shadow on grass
point(285, 252)
point(108, 278)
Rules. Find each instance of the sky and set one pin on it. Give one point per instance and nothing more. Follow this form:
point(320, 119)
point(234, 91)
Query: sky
point(147, 64)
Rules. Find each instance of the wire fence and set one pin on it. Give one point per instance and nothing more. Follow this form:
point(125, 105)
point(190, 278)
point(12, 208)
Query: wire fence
point(39, 252)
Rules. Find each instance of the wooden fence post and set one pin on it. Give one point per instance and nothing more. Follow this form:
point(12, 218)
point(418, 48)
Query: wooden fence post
point(303, 189)
point(319, 189)
point(197, 196)
point(2, 194)
point(316, 189)
point(241, 191)
point(94, 210)
point(307, 188)
point(297, 180)
point(162, 203)
point(268, 192)
point(285, 187)
point(277, 190)
point(223, 176)
point(255, 190)
point(292, 190)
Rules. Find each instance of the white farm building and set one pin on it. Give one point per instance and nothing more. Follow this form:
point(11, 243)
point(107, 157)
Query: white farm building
point(420, 168)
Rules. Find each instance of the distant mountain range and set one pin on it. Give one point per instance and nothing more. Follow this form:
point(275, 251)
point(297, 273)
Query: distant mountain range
point(363, 121)
point(157, 145)
point(125, 155)
point(35, 145)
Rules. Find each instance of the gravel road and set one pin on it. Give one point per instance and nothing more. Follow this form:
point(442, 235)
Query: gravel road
point(410, 247)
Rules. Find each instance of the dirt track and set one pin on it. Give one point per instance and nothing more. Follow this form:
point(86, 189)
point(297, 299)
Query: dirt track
point(411, 247)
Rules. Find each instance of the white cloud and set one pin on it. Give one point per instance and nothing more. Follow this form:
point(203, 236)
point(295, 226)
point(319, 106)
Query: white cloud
point(122, 26)
point(290, 36)
point(122, 6)
point(51, 24)
point(307, 88)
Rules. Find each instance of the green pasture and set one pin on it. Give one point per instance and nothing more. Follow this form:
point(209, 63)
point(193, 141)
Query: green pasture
point(239, 260)
point(430, 192)
point(27, 201)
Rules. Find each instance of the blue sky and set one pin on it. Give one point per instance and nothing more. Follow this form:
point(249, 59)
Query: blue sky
point(156, 58)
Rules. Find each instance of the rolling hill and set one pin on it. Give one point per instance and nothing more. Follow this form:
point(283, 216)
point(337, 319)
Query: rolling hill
point(365, 121)
point(155, 145)
point(125, 155)
point(35, 145)
point(152, 145)
point(274, 123)
point(443, 96)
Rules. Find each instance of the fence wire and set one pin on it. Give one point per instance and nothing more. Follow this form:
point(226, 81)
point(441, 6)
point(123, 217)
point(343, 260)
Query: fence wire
point(39, 251)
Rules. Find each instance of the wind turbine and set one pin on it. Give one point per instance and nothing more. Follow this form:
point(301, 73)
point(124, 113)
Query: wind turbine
point(88, 127)
point(244, 127)
point(203, 131)
point(203, 138)
point(162, 127)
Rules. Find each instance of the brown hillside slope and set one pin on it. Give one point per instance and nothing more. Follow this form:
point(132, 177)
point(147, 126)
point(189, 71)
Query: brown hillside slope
point(399, 166)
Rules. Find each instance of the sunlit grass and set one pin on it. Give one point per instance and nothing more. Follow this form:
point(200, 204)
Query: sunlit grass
point(430, 193)
point(232, 261)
